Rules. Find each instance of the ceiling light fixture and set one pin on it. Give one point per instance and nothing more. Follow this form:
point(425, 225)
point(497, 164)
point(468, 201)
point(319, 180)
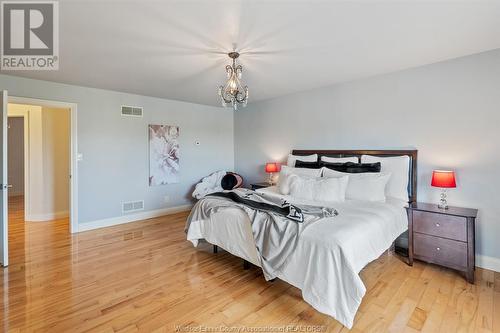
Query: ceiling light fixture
point(233, 93)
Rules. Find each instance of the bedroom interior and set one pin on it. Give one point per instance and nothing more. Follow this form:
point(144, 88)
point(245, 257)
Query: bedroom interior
point(251, 166)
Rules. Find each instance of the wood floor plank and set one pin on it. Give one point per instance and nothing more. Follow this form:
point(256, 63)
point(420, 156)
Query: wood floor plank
point(434, 316)
point(145, 277)
point(496, 309)
point(484, 317)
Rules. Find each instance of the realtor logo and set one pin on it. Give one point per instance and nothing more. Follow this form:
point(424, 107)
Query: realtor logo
point(30, 35)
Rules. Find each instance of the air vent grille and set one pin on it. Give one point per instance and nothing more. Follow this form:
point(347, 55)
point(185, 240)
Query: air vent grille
point(132, 206)
point(131, 111)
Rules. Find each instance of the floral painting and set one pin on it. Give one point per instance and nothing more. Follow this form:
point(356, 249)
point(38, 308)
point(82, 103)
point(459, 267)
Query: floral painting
point(163, 154)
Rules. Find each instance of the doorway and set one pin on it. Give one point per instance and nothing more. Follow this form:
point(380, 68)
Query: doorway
point(38, 161)
point(49, 160)
point(50, 188)
point(16, 161)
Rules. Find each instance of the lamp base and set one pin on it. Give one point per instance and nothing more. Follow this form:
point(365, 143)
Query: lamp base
point(270, 180)
point(441, 206)
point(443, 203)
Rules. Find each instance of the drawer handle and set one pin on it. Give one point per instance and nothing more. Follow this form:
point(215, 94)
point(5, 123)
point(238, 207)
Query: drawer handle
point(438, 225)
point(438, 248)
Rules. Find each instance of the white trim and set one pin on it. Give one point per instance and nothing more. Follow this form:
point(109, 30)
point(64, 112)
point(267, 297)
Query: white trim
point(132, 217)
point(73, 193)
point(47, 217)
point(486, 262)
point(4, 231)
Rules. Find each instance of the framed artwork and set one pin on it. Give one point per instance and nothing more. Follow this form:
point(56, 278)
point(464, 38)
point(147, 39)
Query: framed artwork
point(163, 154)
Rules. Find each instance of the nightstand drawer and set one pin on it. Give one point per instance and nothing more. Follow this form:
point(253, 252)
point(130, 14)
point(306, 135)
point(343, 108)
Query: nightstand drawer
point(448, 226)
point(441, 251)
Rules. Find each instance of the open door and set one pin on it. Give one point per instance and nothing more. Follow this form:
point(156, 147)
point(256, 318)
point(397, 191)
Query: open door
point(4, 187)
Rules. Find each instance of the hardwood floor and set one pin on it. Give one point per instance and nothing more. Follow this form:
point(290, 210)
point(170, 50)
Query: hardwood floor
point(146, 277)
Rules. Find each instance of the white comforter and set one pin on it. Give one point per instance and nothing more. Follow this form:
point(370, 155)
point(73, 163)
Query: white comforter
point(330, 253)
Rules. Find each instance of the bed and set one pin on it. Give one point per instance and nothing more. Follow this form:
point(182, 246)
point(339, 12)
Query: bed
point(327, 260)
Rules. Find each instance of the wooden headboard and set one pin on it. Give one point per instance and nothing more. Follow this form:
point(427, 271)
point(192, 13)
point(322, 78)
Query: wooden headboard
point(412, 153)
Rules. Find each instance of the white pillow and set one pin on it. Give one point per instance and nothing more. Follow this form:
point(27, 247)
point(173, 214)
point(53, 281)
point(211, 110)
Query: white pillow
point(307, 158)
point(339, 159)
point(318, 189)
point(399, 168)
point(369, 186)
point(286, 171)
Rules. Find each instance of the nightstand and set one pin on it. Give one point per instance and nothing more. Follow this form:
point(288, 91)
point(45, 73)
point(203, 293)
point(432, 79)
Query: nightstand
point(256, 186)
point(442, 236)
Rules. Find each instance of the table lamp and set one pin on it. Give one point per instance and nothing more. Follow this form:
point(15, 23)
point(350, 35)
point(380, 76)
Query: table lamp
point(272, 167)
point(443, 179)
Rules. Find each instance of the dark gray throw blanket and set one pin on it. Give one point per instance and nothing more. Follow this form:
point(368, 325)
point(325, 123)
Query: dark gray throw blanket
point(276, 225)
point(290, 211)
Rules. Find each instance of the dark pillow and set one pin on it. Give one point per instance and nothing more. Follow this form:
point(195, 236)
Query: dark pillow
point(231, 181)
point(351, 167)
point(308, 165)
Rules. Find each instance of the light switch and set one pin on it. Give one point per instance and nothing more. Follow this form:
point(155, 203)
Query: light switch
point(79, 157)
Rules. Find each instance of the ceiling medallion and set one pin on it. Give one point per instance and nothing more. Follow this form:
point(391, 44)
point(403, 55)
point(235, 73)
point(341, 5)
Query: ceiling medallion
point(233, 93)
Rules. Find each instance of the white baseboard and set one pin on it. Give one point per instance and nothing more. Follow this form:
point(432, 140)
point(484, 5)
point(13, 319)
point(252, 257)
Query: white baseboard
point(486, 262)
point(132, 217)
point(46, 217)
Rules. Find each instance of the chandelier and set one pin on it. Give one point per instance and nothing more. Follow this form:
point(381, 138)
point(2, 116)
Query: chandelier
point(233, 93)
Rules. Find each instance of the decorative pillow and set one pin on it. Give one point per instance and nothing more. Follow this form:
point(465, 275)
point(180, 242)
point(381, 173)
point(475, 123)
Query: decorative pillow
point(363, 186)
point(231, 181)
point(307, 158)
point(399, 167)
point(328, 159)
point(283, 182)
point(318, 189)
point(350, 167)
point(307, 165)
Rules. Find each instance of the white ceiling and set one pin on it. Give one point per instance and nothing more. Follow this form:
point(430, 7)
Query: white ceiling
point(175, 49)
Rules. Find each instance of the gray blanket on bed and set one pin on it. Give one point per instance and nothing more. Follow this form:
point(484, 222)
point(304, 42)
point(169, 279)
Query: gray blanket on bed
point(275, 235)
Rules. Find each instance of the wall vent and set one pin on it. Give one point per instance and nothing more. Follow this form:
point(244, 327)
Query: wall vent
point(132, 206)
point(131, 111)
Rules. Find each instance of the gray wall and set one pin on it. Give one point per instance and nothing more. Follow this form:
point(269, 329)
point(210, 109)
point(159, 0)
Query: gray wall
point(449, 111)
point(16, 155)
point(115, 149)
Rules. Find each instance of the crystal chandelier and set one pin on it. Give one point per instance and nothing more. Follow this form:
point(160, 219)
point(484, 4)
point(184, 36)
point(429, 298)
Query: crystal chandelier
point(233, 93)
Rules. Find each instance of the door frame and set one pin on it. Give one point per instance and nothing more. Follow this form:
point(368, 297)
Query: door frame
point(4, 246)
point(25, 116)
point(73, 183)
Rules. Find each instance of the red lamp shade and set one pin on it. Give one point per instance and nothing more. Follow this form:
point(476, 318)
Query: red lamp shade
point(441, 178)
point(273, 167)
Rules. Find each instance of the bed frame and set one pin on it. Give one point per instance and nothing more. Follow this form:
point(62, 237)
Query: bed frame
point(412, 153)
